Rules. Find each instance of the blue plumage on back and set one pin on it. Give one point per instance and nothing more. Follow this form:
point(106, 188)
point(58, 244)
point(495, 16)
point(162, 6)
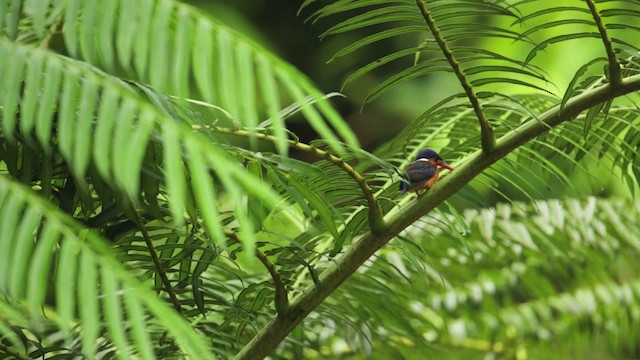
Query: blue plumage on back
point(419, 172)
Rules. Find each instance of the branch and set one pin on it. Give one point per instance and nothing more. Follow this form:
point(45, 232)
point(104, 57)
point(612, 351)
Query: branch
point(614, 67)
point(487, 138)
point(376, 220)
point(158, 265)
point(281, 298)
point(339, 270)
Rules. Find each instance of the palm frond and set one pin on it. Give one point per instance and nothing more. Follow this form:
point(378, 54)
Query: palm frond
point(159, 37)
point(66, 273)
point(115, 134)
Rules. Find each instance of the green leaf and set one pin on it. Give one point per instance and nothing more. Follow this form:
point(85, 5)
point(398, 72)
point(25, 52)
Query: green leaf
point(160, 44)
point(139, 330)
point(204, 192)
point(127, 22)
point(135, 148)
point(173, 168)
point(591, 114)
point(376, 17)
point(11, 88)
point(65, 285)
point(70, 28)
point(48, 100)
point(32, 88)
point(82, 128)
point(269, 92)
point(10, 211)
point(257, 210)
point(421, 69)
point(377, 37)
point(571, 88)
point(40, 268)
point(292, 165)
point(556, 39)
point(22, 251)
point(106, 119)
point(380, 62)
point(88, 292)
point(316, 201)
point(141, 44)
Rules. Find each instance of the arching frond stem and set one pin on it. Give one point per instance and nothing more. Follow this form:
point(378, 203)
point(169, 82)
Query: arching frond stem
point(376, 221)
point(341, 269)
point(158, 265)
point(281, 297)
point(614, 67)
point(487, 137)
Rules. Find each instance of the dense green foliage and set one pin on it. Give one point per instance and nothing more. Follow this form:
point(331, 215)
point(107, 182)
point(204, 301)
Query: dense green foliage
point(150, 206)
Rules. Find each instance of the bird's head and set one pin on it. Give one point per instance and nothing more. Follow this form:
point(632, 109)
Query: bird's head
point(433, 157)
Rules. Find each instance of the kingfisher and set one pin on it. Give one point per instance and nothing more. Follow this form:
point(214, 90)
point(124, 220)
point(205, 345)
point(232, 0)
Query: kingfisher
point(423, 172)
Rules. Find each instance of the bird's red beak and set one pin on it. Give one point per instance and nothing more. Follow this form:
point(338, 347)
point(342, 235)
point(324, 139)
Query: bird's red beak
point(444, 165)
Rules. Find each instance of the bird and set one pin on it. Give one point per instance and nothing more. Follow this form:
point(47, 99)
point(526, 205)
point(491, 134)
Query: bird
point(423, 172)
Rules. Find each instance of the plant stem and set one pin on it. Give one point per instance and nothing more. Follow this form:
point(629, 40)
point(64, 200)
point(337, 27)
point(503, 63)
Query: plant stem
point(487, 138)
point(158, 265)
point(342, 268)
point(615, 75)
point(376, 220)
point(281, 297)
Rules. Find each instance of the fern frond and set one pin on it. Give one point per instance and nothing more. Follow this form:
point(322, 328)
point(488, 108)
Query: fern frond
point(602, 20)
point(158, 37)
point(51, 255)
point(114, 135)
point(454, 27)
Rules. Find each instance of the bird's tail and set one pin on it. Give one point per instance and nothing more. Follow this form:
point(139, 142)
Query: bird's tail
point(404, 187)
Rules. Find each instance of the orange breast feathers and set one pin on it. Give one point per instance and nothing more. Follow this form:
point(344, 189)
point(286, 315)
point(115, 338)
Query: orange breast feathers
point(421, 174)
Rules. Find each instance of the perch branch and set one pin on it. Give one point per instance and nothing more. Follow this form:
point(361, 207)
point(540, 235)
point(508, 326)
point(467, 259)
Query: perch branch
point(376, 220)
point(339, 270)
point(281, 298)
point(614, 67)
point(487, 138)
